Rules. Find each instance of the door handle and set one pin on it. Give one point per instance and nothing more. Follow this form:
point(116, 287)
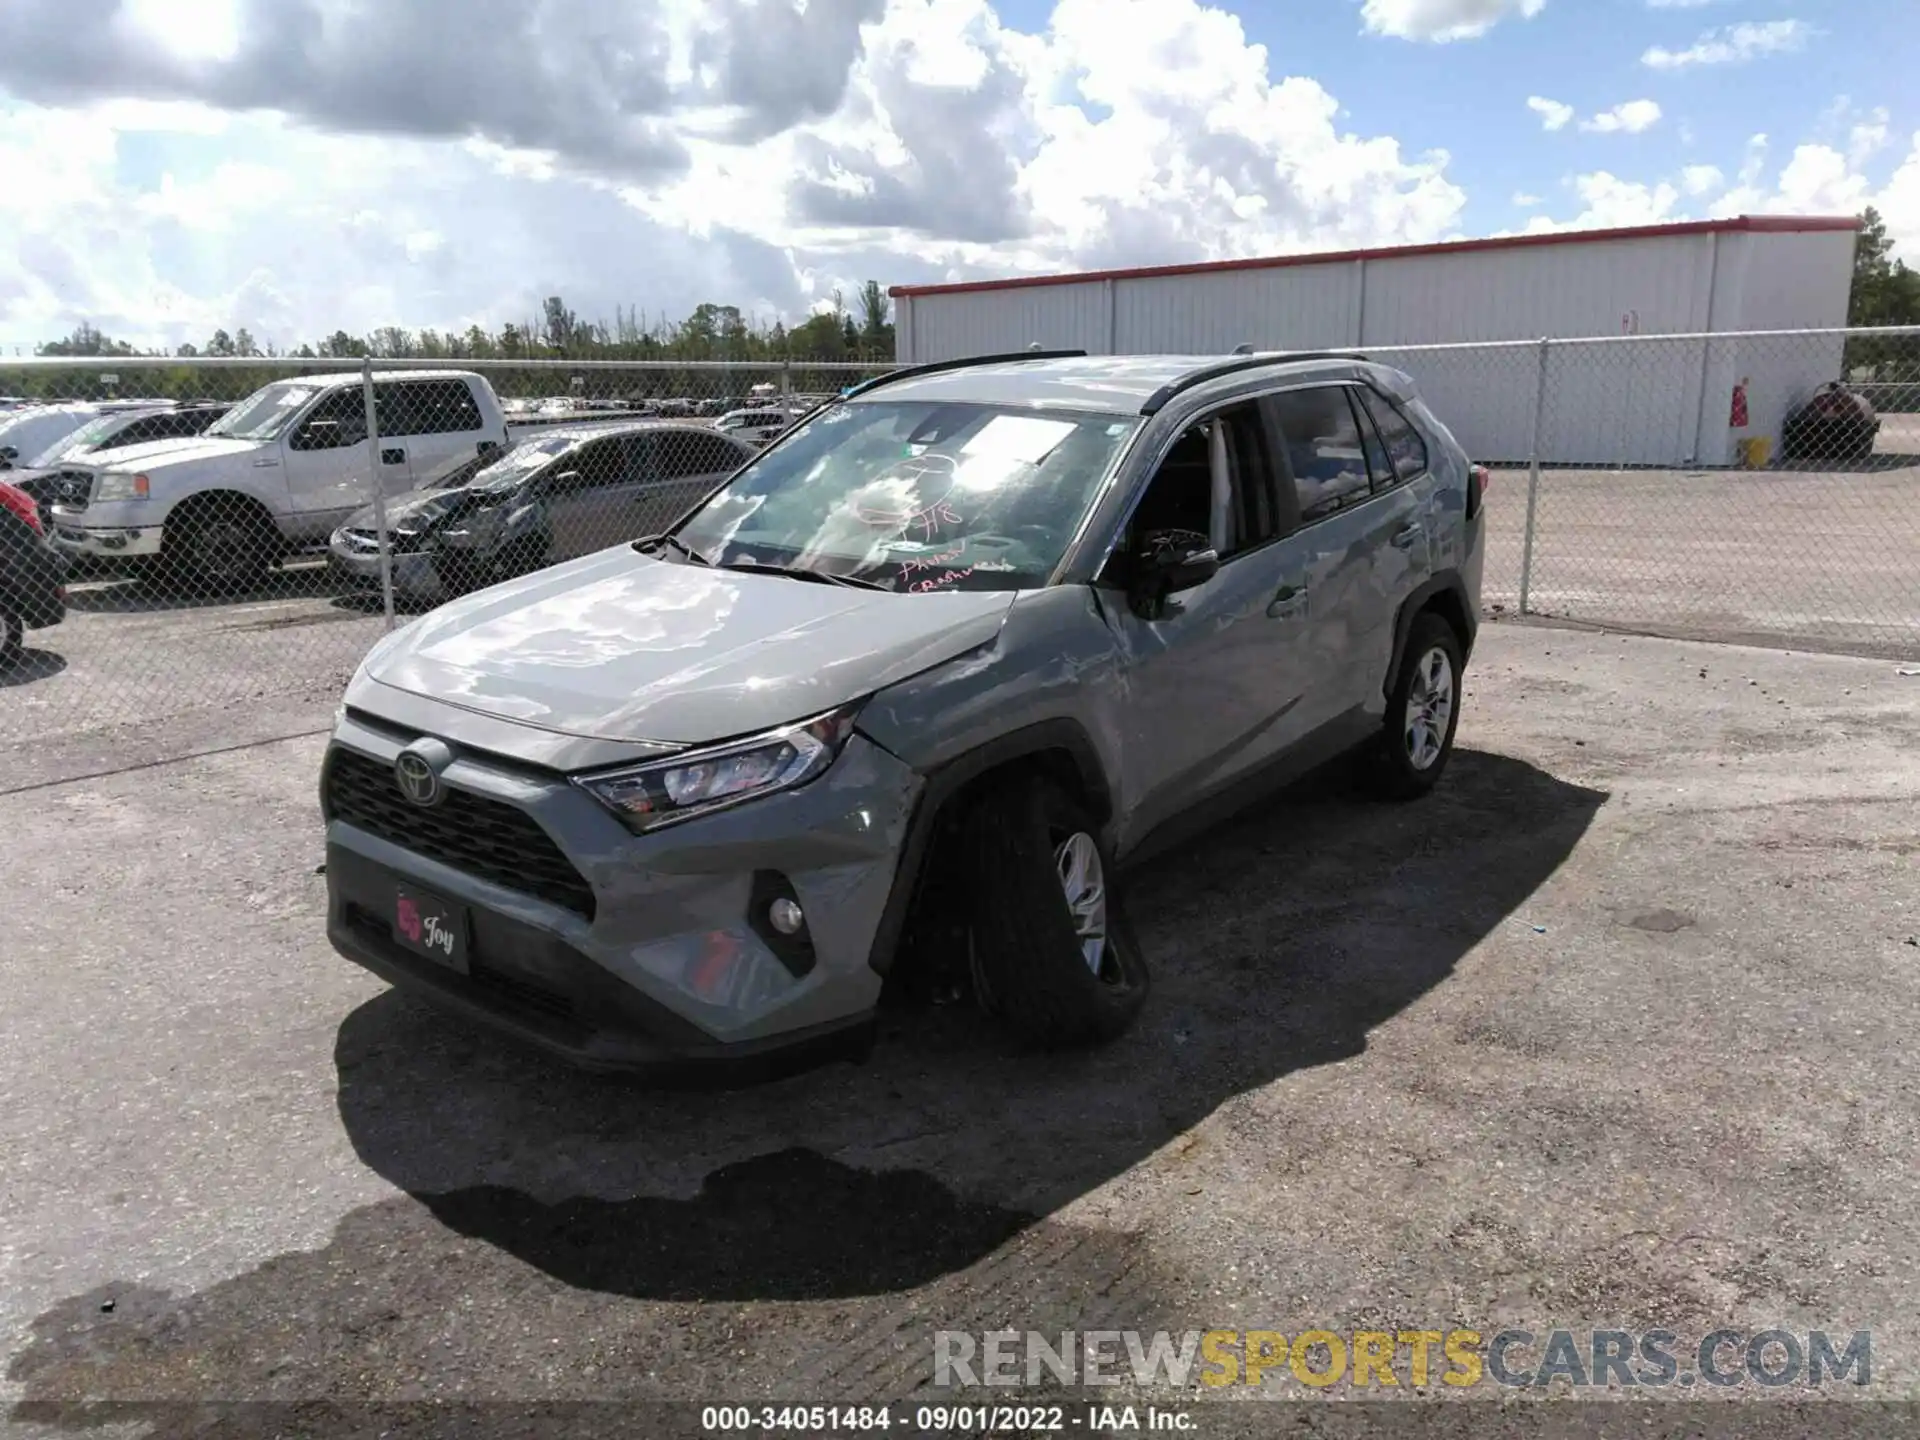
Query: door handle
point(1409, 537)
point(1288, 601)
point(393, 456)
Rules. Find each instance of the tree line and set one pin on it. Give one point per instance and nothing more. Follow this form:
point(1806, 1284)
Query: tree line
point(712, 332)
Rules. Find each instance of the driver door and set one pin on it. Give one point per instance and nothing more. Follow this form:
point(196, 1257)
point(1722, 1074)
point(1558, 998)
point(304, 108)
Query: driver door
point(1215, 678)
point(589, 495)
point(325, 464)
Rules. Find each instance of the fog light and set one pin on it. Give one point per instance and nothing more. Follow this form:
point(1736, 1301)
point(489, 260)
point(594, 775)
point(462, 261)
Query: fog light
point(786, 916)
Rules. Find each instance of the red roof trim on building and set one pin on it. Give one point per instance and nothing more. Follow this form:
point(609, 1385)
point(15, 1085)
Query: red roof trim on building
point(1749, 224)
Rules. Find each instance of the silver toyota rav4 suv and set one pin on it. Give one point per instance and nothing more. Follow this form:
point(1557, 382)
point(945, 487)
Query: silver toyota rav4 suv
point(905, 690)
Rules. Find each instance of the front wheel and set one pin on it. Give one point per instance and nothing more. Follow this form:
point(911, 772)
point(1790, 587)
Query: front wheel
point(1052, 953)
point(1423, 711)
point(221, 550)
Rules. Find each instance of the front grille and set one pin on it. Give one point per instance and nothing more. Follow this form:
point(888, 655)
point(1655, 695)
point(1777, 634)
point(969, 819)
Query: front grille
point(484, 838)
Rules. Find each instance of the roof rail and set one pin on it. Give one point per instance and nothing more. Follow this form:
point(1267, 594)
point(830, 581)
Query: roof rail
point(1200, 375)
point(935, 367)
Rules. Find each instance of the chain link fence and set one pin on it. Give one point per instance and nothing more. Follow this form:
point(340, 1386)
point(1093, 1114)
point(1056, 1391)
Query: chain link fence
point(1756, 486)
point(237, 533)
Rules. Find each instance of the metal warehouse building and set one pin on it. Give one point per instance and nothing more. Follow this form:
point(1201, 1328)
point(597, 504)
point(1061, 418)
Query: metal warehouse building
point(1648, 401)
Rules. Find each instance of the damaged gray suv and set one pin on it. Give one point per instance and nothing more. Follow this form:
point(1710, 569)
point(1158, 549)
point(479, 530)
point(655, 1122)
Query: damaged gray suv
point(905, 690)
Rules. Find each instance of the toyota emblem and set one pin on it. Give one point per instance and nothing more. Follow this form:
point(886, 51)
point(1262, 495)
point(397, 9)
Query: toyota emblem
point(416, 778)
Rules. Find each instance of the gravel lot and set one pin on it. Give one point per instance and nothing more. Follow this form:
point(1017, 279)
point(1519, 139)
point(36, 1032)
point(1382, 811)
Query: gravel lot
point(1613, 1030)
point(1794, 556)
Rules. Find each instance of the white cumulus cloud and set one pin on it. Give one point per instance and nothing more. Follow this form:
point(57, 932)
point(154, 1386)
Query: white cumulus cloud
point(1441, 21)
point(1554, 114)
point(1630, 117)
point(1733, 45)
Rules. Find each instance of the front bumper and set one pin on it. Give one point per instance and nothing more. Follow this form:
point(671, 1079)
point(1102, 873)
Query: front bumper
point(656, 957)
point(358, 564)
point(72, 536)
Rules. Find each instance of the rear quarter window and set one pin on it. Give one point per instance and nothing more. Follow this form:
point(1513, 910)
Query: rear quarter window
point(1405, 449)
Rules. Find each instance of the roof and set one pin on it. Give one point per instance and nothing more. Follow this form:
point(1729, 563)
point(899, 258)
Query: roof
point(1742, 224)
point(596, 429)
point(352, 377)
point(1100, 384)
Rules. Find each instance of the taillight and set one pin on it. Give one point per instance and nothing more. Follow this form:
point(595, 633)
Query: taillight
point(1479, 480)
point(13, 498)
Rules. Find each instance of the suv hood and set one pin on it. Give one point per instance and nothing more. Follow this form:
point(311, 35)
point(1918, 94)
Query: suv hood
point(620, 646)
point(186, 450)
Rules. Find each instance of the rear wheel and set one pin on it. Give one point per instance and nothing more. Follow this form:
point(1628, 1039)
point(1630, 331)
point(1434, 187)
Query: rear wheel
point(13, 638)
point(1052, 953)
point(1423, 710)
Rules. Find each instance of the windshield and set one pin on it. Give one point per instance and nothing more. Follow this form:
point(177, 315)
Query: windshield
point(521, 461)
point(93, 430)
point(916, 496)
point(265, 413)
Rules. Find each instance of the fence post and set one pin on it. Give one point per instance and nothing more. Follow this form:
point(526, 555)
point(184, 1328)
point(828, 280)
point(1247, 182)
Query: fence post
point(786, 386)
point(1533, 474)
point(379, 491)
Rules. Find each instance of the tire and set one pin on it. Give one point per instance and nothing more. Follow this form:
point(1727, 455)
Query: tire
point(13, 639)
point(1029, 967)
point(1410, 757)
point(219, 549)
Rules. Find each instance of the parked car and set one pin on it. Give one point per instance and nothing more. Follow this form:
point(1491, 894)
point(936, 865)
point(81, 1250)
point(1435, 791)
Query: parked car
point(41, 477)
point(756, 426)
point(1834, 424)
point(33, 591)
point(930, 666)
point(30, 431)
point(557, 494)
point(278, 472)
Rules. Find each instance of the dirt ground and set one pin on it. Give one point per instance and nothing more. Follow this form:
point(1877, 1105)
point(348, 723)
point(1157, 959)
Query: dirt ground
point(1613, 1030)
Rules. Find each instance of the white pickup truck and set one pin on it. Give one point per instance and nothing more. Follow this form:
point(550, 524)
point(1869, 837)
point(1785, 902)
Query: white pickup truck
point(275, 474)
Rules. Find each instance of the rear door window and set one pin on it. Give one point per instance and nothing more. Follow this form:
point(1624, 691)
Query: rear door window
point(686, 453)
point(1324, 449)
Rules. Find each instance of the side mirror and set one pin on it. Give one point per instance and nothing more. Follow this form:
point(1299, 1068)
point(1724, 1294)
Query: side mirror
point(9, 452)
point(1183, 570)
point(1164, 567)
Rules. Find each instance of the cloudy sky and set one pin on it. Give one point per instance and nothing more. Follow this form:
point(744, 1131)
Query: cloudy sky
point(297, 166)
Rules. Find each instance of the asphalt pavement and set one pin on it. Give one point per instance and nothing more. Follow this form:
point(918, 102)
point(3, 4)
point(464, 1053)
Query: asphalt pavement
point(1613, 1030)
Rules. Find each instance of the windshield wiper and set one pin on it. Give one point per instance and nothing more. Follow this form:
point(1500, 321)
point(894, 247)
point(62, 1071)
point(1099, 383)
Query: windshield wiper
point(653, 542)
point(797, 572)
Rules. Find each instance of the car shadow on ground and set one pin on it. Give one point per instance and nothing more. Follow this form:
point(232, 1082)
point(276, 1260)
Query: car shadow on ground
point(32, 665)
point(1279, 942)
point(1875, 464)
point(803, 1237)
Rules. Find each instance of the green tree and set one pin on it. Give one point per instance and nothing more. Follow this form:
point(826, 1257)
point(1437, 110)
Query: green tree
point(1886, 291)
point(84, 340)
point(561, 323)
point(876, 319)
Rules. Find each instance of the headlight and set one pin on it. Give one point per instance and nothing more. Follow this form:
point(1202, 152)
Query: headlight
point(109, 487)
point(664, 792)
